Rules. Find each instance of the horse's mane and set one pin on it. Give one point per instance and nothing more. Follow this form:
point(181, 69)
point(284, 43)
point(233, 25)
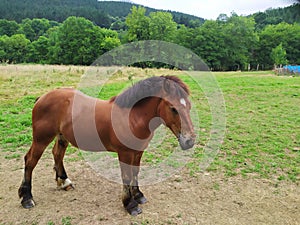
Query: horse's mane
point(150, 87)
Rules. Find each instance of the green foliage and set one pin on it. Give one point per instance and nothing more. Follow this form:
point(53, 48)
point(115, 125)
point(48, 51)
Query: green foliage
point(225, 44)
point(203, 42)
point(39, 50)
point(272, 36)
point(275, 16)
point(34, 28)
point(278, 55)
point(156, 26)
point(241, 40)
point(101, 13)
point(109, 43)
point(229, 43)
point(79, 41)
point(8, 28)
point(58, 10)
point(162, 26)
point(75, 41)
point(138, 24)
point(66, 220)
point(14, 49)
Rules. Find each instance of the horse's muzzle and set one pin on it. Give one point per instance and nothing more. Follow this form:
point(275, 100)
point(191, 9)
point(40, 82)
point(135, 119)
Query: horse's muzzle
point(186, 142)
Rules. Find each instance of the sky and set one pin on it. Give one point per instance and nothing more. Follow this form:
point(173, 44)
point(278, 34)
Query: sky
point(211, 9)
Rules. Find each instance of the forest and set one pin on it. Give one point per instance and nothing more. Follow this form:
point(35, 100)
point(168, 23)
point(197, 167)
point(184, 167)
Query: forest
point(231, 42)
point(107, 14)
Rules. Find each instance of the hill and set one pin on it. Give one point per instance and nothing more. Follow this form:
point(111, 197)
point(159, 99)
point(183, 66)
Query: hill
point(102, 13)
point(271, 16)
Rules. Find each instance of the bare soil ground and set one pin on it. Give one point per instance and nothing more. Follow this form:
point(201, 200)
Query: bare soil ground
point(204, 199)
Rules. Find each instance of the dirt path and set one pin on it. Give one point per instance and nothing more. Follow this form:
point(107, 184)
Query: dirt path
point(207, 199)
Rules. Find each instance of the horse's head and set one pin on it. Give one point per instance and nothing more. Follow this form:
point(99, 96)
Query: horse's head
point(174, 109)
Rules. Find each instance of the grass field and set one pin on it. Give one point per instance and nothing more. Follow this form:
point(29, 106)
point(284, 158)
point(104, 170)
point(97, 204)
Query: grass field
point(262, 111)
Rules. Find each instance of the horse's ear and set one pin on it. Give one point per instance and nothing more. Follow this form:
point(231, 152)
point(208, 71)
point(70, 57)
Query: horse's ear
point(167, 85)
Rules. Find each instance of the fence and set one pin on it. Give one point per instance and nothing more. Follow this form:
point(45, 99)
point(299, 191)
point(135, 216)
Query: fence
point(292, 69)
point(289, 70)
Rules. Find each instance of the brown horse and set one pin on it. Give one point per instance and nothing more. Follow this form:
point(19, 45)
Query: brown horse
point(123, 124)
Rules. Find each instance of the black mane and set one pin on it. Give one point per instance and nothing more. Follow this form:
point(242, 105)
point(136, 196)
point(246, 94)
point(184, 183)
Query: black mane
point(150, 87)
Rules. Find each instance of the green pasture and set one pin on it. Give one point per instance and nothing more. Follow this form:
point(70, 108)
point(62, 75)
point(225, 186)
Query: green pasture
point(262, 112)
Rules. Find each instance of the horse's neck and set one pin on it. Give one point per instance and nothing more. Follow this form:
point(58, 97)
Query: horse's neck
point(145, 117)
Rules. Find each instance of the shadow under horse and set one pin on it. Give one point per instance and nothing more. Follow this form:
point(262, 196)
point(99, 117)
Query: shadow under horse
point(124, 124)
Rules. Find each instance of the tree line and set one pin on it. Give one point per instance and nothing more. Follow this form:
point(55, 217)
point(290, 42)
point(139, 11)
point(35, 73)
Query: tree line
point(75, 41)
point(228, 43)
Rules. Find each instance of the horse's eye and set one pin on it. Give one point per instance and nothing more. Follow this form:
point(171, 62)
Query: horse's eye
point(174, 110)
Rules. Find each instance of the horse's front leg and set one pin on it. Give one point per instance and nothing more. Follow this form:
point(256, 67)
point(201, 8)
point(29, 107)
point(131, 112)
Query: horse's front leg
point(129, 203)
point(131, 193)
point(137, 194)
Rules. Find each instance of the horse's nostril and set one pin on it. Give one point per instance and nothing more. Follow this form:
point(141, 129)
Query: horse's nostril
point(190, 142)
point(186, 142)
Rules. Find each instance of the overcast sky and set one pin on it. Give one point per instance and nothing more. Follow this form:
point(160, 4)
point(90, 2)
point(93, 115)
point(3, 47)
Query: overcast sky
point(211, 9)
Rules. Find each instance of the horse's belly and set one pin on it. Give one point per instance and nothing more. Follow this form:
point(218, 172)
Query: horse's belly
point(84, 126)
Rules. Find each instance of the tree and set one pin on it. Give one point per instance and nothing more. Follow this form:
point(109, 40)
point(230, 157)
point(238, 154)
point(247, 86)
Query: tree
point(158, 26)
point(110, 43)
point(14, 49)
point(162, 26)
point(288, 14)
point(184, 36)
point(138, 24)
point(3, 40)
point(278, 56)
point(241, 40)
point(209, 44)
point(34, 28)
point(54, 50)
point(225, 44)
point(77, 38)
point(222, 18)
point(8, 28)
point(118, 24)
point(38, 52)
point(272, 35)
point(78, 41)
point(26, 29)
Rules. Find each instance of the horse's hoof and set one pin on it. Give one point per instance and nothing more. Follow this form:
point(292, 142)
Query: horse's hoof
point(135, 211)
point(65, 184)
point(27, 204)
point(69, 187)
point(141, 200)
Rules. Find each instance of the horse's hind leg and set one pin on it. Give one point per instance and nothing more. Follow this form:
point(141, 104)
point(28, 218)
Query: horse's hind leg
point(31, 159)
point(58, 151)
